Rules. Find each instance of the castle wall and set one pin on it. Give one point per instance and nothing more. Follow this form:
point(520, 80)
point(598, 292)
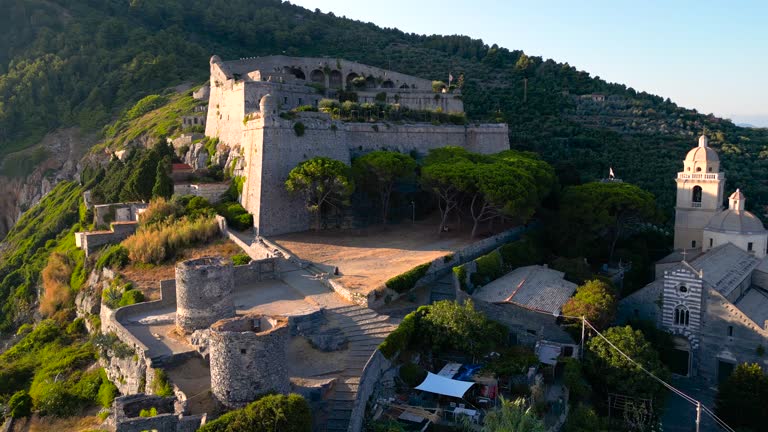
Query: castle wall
point(204, 292)
point(276, 149)
point(226, 110)
point(248, 358)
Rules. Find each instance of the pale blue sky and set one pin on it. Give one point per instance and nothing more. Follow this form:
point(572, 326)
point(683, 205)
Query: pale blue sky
point(708, 55)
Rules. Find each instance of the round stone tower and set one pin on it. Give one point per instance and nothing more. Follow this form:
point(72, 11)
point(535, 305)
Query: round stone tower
point(204, 292)
point(248, 358)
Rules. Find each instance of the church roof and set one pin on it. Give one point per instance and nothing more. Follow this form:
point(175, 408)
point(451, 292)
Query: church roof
point(736, 221)
point(738, 195)
point(701, 154)
point(754, 304)
point(725, 267)
point(532, 287)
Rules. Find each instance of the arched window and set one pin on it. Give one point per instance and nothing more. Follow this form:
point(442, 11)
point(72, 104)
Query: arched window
point(682, 316)
point(696, 194)
point(709, 169)
point(698, 169)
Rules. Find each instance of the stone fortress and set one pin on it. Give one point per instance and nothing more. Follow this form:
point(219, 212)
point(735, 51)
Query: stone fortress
point(248, 96)
point(712, 291)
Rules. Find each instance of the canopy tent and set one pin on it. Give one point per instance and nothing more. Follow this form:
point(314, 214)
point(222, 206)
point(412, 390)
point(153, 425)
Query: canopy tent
point(444, 386)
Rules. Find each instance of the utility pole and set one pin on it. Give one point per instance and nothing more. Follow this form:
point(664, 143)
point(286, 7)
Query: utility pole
point(583, 323)
point(698, 415)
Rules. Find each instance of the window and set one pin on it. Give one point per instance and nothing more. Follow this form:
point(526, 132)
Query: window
point(285, 99)
point(711, 242)
point(242, 350)
point(698, 169)
point(749, 246)
point(683, 289)
point(730, 331)
point(709, 169)
point(300, 101)
point(682, 316)
point(693, 243)
point(696, 194)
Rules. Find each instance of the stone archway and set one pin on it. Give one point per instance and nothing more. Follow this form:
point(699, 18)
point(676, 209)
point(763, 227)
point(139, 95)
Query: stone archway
point(296, 72)
point(350, 79)
point(680, 356)
point(317, 76)
point(335, 79)
point(387, 84)
point(370, 82)
point(404, 86)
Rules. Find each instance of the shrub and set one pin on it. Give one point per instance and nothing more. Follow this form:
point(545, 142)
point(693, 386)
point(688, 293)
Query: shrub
point(114, 257)
point(327, 105)
point(159, 210)
point(305, 108)
point(400, 338)
point(274, 413)
point(157, 243)
point(595, 301)
point(241, 259)
point(298, 129)
point(131, 296)
point(406, 281)
point(107, 392)
point(20, 405)
point(461, 275)
point(520, 253)
point(160, 385)
point(76, 327)
point(237, 217)
point(56, 277)
point(488, 268)
point(513, 361)
point(152, 412)
point(198, 206)
point(412, 374)
point(573, 379)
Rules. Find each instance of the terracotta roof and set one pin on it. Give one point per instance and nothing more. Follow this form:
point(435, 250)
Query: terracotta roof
point(180, 167)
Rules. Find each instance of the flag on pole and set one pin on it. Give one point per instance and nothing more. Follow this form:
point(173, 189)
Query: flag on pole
point(450, 78)
point(610, 173)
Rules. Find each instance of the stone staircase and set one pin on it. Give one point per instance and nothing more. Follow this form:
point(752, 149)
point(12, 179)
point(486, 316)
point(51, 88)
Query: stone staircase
point(365, 330)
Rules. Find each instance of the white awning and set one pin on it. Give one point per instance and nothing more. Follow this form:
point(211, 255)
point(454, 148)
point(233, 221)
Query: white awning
point(444, 386)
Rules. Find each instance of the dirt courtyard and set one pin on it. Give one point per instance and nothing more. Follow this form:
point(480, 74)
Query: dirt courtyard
point(368, 257)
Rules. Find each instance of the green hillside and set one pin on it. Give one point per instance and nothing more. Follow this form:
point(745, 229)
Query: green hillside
point(80, 62)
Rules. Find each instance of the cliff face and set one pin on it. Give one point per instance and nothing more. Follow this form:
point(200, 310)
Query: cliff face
point(64, 148)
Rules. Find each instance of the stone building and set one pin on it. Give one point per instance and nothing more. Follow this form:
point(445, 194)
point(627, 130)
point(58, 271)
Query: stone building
point(204, 292)
point(248, 358)
point(712, 291)
point(247, 98)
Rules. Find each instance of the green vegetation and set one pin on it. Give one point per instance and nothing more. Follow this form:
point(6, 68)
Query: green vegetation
point(323, 182)
point(378, 171)
point(498, 262)
point(275, 413)
point(742, 398)
point(120, 293)
point(160, 385)
point(241, 259)
point(412, 374)
point(114, 257)
point(595, 301)
point(512, 416)
point(154, 244)
point(445, 326)
point(513, 361)
point(152, 412)
point(50, 367)
point(298, 129)
point(406, 281)
point(237, 217)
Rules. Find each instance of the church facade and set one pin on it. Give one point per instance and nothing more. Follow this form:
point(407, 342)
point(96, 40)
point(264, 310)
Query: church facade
point(711, 293)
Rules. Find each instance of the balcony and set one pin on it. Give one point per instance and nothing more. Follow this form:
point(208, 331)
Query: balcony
point(700, 176)
point(696, 204)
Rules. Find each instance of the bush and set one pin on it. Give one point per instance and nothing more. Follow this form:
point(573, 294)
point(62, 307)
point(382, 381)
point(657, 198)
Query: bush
point(461, 275)
point(241, 259)
point(152, 412)
point(513, 361)
point(412, 374)
point(113, 257)
point(576, 269)
point(160, 385)
point(20, 405)
point(488, 268)
point(157, 243)
point(237, 217)
point(520, 253)
point(159, 210)
point(595, 301)
point(274, 413)
point(107, 392)
point(298, 129)
point(573, 379)
point(131, 296)
point(400, 338)
point(406, 281)
point(56, 277)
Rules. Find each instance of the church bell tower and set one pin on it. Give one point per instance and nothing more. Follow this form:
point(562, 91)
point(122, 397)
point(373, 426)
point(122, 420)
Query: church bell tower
point(700, 188)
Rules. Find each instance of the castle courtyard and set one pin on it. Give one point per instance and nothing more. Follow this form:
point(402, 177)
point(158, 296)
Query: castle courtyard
point(368, 257)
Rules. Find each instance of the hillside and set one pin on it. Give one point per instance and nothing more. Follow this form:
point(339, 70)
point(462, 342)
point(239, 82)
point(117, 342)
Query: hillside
point(80, 63)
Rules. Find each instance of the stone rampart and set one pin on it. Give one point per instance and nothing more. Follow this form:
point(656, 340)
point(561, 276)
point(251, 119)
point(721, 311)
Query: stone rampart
point(127, 415)
point(248, 358)
point(256, 270)
point(373, 371)
point(94, 240)
point(210, 191)
point(204, 292)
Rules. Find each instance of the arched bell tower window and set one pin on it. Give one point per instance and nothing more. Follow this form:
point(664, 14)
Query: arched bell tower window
point(696, 194)
point(682, 316)
point(698, 169)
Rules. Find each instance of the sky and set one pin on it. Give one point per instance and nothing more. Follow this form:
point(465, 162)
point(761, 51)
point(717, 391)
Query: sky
point(707, 55)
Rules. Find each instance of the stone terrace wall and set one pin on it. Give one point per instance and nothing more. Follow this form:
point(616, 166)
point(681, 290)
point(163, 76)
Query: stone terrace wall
point(373, 371)
point(210, 191)
point(94, 240)
point(256, 270)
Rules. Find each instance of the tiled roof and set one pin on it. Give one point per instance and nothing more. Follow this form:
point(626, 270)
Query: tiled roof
point(532, 287)
point(725, 267)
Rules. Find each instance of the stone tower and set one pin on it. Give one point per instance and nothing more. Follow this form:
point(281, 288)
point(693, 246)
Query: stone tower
point(204, 292)
point(248, 358)
point(700, 188)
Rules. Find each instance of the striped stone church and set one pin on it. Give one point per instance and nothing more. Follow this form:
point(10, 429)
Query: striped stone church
point(711, 292)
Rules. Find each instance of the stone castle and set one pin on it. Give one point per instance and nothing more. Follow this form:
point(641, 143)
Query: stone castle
point(248, 96)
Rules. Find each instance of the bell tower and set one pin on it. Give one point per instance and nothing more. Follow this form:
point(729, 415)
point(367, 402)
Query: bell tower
point(700, 188)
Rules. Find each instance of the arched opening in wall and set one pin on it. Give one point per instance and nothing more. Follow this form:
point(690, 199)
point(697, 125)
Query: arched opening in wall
point(317, 76)
point(682, 316)
point(696, 195)
point(680, 356)
point(353, 80)
point(698, 169)
point(387, 84)
point(709, 169)
point(298, 73)
point(370, 82)
point(404, 86)
point(334, 79)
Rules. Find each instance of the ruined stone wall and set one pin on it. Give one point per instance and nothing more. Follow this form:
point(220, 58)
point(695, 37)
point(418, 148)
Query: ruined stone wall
point(127, 409)
point(256, 270)
point(204, 289)
point(248, 358)
point(92, 241)
point(273, 149)
point(210, 191)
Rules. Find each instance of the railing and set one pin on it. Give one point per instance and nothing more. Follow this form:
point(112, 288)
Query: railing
point(695, 204)
point(702, 176)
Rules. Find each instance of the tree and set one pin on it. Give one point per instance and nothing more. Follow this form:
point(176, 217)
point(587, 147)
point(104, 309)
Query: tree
point(610, 371)
point(512, 416)
point(742, 400)
point(448, 180)
point(20, 405)
point(595, 301)
point(323, 182)
point(379, 171)
point(449, 324)
point(599, 212)
point(163, 184)
point(524, 65)
point(271, 413)
point(500, 189)
point(142, 179)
